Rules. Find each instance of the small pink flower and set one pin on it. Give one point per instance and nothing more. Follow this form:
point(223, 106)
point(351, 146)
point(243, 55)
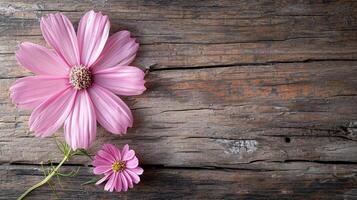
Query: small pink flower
point(120, 169)
point(75, 84)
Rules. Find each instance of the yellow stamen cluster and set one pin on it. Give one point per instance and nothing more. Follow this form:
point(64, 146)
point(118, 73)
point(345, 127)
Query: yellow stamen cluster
point(118, 166)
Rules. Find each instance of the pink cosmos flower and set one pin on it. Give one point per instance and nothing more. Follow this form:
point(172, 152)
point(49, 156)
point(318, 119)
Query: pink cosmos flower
point(76, 83)
point(120, 169)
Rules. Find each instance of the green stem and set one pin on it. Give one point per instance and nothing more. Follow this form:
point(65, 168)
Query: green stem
point(46, 179)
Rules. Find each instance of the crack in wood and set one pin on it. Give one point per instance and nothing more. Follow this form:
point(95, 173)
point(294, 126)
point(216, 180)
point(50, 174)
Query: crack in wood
point(152, 68)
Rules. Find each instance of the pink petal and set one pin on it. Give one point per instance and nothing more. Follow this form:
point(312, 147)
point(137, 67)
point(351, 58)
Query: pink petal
point(133, 176)
point(30, 92)
point(118, 183)
point(102, 169)
point(100, 161)
point(50, 115)
point(111, 182)
point(115, 182)
point(103, 179)
point(137, 170)
point(120, 49)
point(128, 179)
point(81, 125)
point(41, 60)
point(59, 33)
point(112, 113)
point(93, 31)
point(106, 155)
point(125, 149)
point(129, 155)
point(133, 163)
point(113, 150)
point(122, 80)
point(123, 180)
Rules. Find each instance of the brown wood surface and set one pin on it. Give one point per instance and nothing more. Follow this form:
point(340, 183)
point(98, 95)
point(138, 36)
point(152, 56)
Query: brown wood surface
point(245, 100)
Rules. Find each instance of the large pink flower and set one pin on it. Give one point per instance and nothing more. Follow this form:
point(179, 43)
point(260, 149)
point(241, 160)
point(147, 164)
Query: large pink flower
point(120, 169)
point(76, 83)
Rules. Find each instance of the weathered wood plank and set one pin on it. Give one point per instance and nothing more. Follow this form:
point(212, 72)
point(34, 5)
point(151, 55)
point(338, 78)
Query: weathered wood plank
point(285, 181)
point(187, 34)
point(224, 117)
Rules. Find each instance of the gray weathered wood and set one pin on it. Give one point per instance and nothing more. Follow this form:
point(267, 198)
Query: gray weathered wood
point(263, 93)
point(296, 180)
point(189, 34)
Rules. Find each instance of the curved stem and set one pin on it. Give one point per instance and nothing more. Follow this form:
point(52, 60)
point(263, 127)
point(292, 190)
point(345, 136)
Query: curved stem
point(45, 180)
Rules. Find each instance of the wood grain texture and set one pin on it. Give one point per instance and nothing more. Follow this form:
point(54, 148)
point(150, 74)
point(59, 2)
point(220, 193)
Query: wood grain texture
point(245, 99)
point(191, 34)
point(287, 181)
point(225, 116)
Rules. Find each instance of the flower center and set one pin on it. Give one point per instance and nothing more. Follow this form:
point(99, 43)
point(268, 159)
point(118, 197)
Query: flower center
point(118, 166)
point(80, 77)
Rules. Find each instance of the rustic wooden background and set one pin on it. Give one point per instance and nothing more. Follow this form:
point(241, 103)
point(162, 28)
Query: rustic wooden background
point(246, 99)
